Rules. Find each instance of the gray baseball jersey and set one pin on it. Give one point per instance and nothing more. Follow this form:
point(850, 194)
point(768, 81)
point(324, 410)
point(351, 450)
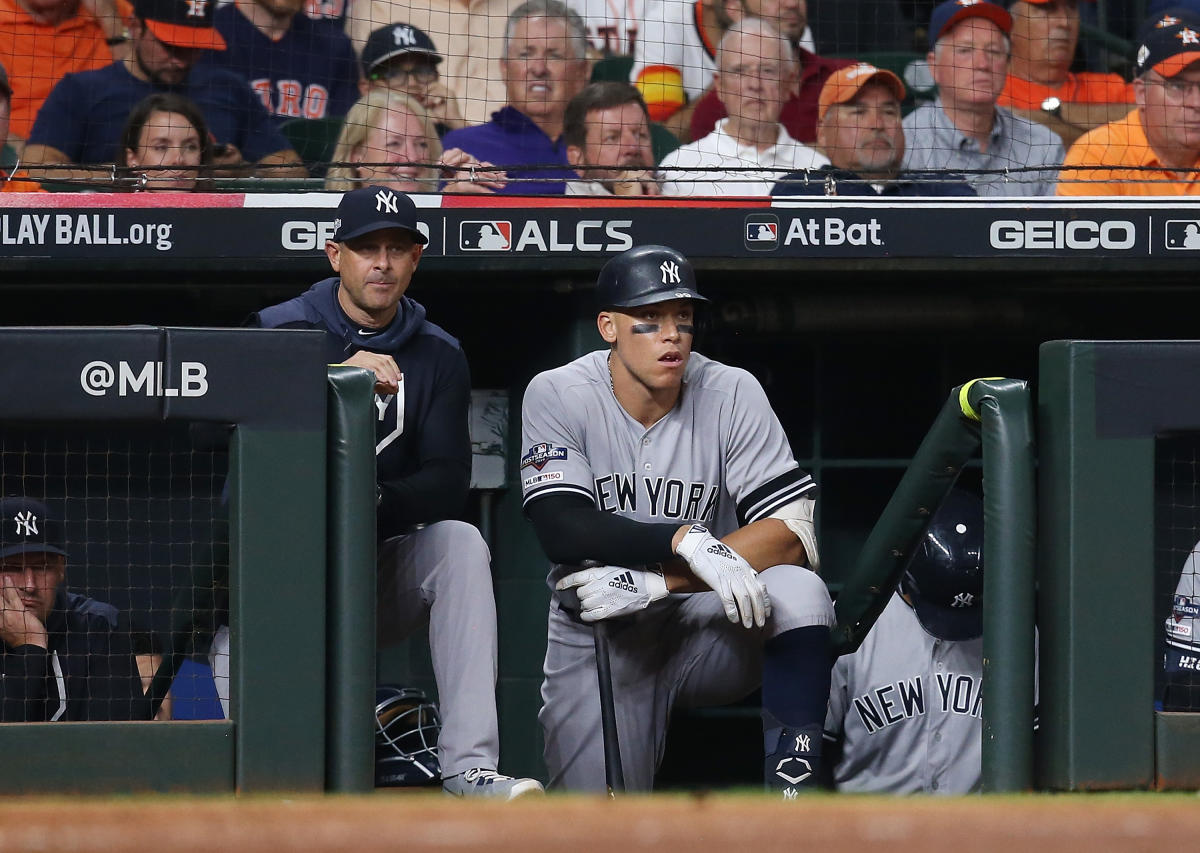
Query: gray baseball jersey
point(720, 457)
point(1182, 625)
point(908, 708)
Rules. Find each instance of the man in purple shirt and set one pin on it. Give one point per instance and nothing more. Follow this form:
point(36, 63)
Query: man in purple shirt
point(544, 66)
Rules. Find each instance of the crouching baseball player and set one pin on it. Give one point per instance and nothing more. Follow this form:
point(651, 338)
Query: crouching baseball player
point(671, 471)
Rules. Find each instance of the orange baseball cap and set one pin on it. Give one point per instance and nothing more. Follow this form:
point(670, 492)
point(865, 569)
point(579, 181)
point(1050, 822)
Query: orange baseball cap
point(844, 85)
point(181, 23)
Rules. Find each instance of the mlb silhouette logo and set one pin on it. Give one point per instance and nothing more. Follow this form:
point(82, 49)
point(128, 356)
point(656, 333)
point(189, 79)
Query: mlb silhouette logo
point(490, 236)
point(1183, 234)
point(761, 232)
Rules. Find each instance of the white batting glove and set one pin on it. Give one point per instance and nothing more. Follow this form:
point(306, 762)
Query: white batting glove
point(728, 575)
point(606, 592)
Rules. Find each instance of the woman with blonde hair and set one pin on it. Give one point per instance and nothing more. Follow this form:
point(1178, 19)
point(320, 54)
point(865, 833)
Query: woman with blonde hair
point(389, 140)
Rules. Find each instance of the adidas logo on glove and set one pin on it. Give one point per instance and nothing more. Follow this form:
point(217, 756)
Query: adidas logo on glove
point(721, 550)
point(624, 582)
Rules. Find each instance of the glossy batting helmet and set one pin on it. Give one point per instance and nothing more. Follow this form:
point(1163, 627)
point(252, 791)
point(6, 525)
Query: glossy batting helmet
point(407, 725)
point(644, 275)
point(944, 579)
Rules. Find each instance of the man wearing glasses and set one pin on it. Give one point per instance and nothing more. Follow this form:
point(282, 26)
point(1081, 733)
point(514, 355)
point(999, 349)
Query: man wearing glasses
point(963, 130)
point(404, 58)
point(1155, 149)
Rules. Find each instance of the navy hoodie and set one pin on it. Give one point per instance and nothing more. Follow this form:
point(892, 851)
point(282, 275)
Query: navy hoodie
point(423, 447)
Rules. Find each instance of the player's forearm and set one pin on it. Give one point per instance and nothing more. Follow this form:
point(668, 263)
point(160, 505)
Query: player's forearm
point(762, 544)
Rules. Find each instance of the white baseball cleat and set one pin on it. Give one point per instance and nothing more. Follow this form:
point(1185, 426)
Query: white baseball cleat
point(488, 783)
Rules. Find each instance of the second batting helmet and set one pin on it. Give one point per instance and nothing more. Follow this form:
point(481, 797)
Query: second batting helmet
point(944, 579)
point(644, 275)
point(407, 726)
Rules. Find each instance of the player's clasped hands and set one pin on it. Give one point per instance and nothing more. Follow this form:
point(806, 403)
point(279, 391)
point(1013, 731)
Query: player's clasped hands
point(607, 592)
point(725, 571)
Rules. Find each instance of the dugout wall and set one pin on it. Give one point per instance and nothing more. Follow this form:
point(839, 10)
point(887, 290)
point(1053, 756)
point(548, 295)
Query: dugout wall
point(270, 387)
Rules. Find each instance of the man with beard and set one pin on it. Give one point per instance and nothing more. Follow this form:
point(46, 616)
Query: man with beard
point(860, 132)
point(607, 131)
point(82, 118)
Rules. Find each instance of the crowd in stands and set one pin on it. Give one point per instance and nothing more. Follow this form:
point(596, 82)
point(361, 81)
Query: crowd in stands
point(718, 97)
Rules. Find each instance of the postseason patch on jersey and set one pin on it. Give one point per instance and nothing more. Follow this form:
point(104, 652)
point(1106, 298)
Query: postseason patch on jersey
point(548, 477)
point(1185, 607)
point(540, 454)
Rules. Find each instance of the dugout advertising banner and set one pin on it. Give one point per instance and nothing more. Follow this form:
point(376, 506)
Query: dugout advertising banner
point(565, 231)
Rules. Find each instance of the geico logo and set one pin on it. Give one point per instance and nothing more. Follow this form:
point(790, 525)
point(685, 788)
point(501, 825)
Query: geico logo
point(1060, 234)
point(303, 236)
point(625, 586)
point(590, 236)
point(300, 235)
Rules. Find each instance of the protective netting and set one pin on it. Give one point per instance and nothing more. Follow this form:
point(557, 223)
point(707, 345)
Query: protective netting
point(695, 97)
point(114, 547)
point(1177, 560)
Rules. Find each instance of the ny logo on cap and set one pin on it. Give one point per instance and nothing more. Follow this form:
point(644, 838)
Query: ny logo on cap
point(196, 8)
point(26, 523)
point(963, 599)
point(385, 201)
point(1188, 36)
point(670, 272)
point(404, 36)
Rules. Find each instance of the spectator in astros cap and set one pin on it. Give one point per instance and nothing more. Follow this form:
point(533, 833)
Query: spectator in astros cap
point(60, 656)
point(403, 58)
point(860, 132)
point(82, 119)
point(1041, 84)
point(1155, 149)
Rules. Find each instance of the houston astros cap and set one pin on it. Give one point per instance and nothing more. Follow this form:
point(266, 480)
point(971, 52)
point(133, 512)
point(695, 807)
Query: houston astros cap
point(394, 40)
point(844, 85)
point(181, 23)
point(946, 15)
point(26, 527)
point(374, 208)
point(1169, 43)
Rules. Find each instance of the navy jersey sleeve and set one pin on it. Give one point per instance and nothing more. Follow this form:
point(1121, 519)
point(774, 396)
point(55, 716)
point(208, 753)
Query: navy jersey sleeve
point(438, 487)
point(57, 122)
point(344, 91)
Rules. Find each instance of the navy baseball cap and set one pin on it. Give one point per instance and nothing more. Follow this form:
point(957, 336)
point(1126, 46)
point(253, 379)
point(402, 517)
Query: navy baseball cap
point(395, 40)
point(1170, 42)
point(26, 527)
point(946, 15)
point(373, 208)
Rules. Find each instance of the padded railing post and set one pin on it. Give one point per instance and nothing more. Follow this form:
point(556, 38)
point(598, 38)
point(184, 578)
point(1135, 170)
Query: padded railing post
point(350, 760)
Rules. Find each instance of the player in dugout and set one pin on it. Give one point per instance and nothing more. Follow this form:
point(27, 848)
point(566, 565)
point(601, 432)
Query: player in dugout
point(432, 568)
point(62, 657)
point(672, 471)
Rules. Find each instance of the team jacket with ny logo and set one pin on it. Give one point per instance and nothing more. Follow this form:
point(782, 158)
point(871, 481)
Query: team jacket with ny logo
point(423, 449)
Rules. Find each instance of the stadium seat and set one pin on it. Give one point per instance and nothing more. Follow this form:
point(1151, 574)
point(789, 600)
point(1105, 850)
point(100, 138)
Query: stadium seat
point(314, 139)
point(612, 68)
point(662, 141)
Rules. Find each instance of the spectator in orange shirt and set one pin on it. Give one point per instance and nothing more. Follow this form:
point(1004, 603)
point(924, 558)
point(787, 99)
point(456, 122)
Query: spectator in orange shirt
point(41, 40)
point(14, 181)
point(1155, 149)
point(1041, 85)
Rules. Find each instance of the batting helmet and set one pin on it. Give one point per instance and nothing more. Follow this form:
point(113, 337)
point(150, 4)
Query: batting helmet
point(944, 578)
point(407, 725)
point(644, 275)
